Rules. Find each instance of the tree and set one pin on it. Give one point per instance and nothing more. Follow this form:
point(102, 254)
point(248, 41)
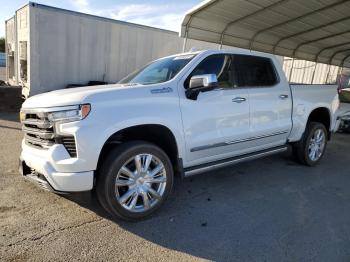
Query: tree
point(2, 45)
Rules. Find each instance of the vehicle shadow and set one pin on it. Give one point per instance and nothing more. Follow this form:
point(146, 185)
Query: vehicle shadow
point(236, 213)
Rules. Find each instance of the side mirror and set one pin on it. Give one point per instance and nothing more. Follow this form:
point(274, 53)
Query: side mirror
point(201, 83)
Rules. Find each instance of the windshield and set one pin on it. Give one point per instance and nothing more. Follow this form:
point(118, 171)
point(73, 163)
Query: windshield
point(158, 71)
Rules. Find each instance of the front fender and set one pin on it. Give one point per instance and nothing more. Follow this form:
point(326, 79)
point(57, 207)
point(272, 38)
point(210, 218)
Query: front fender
point(174, 127)
point(108, 117)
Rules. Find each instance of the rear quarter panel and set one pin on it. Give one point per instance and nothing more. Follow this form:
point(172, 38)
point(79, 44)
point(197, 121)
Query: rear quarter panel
point(307, 98)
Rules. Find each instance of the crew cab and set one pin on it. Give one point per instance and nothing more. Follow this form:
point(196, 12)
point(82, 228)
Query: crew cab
point(183, 114)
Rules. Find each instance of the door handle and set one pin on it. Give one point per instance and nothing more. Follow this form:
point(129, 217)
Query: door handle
point(239, 99)
point(283, 97)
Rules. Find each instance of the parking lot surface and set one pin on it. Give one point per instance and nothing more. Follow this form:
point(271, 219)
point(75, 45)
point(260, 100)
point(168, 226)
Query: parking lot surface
point(271, 209)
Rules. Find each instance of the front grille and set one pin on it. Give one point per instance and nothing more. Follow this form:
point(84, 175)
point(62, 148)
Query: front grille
point(38, 130)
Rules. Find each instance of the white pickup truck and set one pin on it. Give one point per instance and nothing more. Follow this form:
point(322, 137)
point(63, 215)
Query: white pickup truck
point(183, 114)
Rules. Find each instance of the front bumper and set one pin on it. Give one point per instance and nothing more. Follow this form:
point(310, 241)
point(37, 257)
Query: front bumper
point(39, 166)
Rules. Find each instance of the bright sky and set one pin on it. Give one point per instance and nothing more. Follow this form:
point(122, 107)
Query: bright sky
point(157, 13)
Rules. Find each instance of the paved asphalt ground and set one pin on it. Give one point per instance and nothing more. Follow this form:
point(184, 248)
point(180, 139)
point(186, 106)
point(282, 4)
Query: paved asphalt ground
point(266, 210)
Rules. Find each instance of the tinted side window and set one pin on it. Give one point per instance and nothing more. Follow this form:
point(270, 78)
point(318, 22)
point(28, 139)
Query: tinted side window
point(254, 71)
point(221, 65)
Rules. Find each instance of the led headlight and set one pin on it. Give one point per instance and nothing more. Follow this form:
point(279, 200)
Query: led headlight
point(70, 113)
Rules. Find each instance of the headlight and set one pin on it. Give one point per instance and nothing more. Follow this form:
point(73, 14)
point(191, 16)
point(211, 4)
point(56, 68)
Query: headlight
point(70, 114)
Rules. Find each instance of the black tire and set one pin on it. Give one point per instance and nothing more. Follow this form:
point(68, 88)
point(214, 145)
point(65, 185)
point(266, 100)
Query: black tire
point(107, 174)
point(301, 148)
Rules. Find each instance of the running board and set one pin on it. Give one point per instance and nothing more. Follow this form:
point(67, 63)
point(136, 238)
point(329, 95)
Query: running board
point(231, 161)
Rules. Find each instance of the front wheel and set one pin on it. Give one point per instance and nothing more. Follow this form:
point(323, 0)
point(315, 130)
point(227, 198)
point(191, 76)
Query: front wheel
point(135, 180)
point(311, 148)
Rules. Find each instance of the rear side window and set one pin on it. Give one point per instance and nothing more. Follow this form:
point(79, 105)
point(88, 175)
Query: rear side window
point(253, 71)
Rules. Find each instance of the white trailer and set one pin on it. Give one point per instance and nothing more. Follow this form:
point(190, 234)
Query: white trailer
point(49, 48)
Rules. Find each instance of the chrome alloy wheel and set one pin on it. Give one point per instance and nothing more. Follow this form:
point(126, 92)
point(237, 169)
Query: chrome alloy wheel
point(317, 144)
point(140, 183)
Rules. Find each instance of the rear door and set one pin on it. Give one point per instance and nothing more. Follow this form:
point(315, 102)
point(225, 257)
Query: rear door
point(270, 100)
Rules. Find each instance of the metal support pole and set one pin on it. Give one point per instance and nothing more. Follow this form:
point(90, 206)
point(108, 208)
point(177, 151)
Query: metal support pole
point(221, 40)
point(340, 76)
point(329, 69)
point(291, 71)
point(302, 79)
point(313, 74)
point(340, 71)
point(184, 44)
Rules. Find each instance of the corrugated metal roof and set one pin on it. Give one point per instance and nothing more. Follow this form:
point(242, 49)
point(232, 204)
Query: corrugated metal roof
point(314, 30)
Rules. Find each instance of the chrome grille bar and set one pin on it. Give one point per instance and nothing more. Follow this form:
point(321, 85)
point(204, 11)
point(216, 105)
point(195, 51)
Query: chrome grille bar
point(38, 141)
point(40, 134)
point(38, 123)
point(38, 130)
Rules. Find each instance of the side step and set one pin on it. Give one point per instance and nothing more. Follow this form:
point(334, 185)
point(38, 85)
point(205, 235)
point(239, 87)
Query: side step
point(231, 161)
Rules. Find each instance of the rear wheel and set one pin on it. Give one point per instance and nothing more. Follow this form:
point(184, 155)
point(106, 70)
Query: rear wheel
point(311, 148)
point(135, 180)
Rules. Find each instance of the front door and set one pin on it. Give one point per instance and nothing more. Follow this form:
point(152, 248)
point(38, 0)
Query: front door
point(217, 122)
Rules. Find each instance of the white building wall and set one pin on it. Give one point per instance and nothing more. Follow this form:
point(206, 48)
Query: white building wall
point(23, 39)
point(73, 48)
point(306, 72)
point(11, 47)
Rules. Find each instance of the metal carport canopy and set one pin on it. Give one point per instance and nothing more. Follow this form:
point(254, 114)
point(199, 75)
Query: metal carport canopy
point(314, 30)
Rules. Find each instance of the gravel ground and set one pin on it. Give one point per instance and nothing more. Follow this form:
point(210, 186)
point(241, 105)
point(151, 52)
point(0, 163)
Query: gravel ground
point(266, 210)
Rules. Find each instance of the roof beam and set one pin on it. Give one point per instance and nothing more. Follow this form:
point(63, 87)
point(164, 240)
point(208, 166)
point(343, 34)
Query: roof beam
point(308, 31)
point(318, 39)
point(336, 53)
point(248, 16)
point(343, 62)
point(209, 3)
point(294, 19)
point(330, 47)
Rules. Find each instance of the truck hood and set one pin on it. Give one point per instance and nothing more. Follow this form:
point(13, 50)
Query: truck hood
point(73, 96)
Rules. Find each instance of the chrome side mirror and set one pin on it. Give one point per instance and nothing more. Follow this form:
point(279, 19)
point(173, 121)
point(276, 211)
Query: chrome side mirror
point(201, 83)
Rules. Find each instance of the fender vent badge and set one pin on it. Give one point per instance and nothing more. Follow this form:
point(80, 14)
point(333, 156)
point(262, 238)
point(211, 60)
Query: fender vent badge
point(162, 90)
